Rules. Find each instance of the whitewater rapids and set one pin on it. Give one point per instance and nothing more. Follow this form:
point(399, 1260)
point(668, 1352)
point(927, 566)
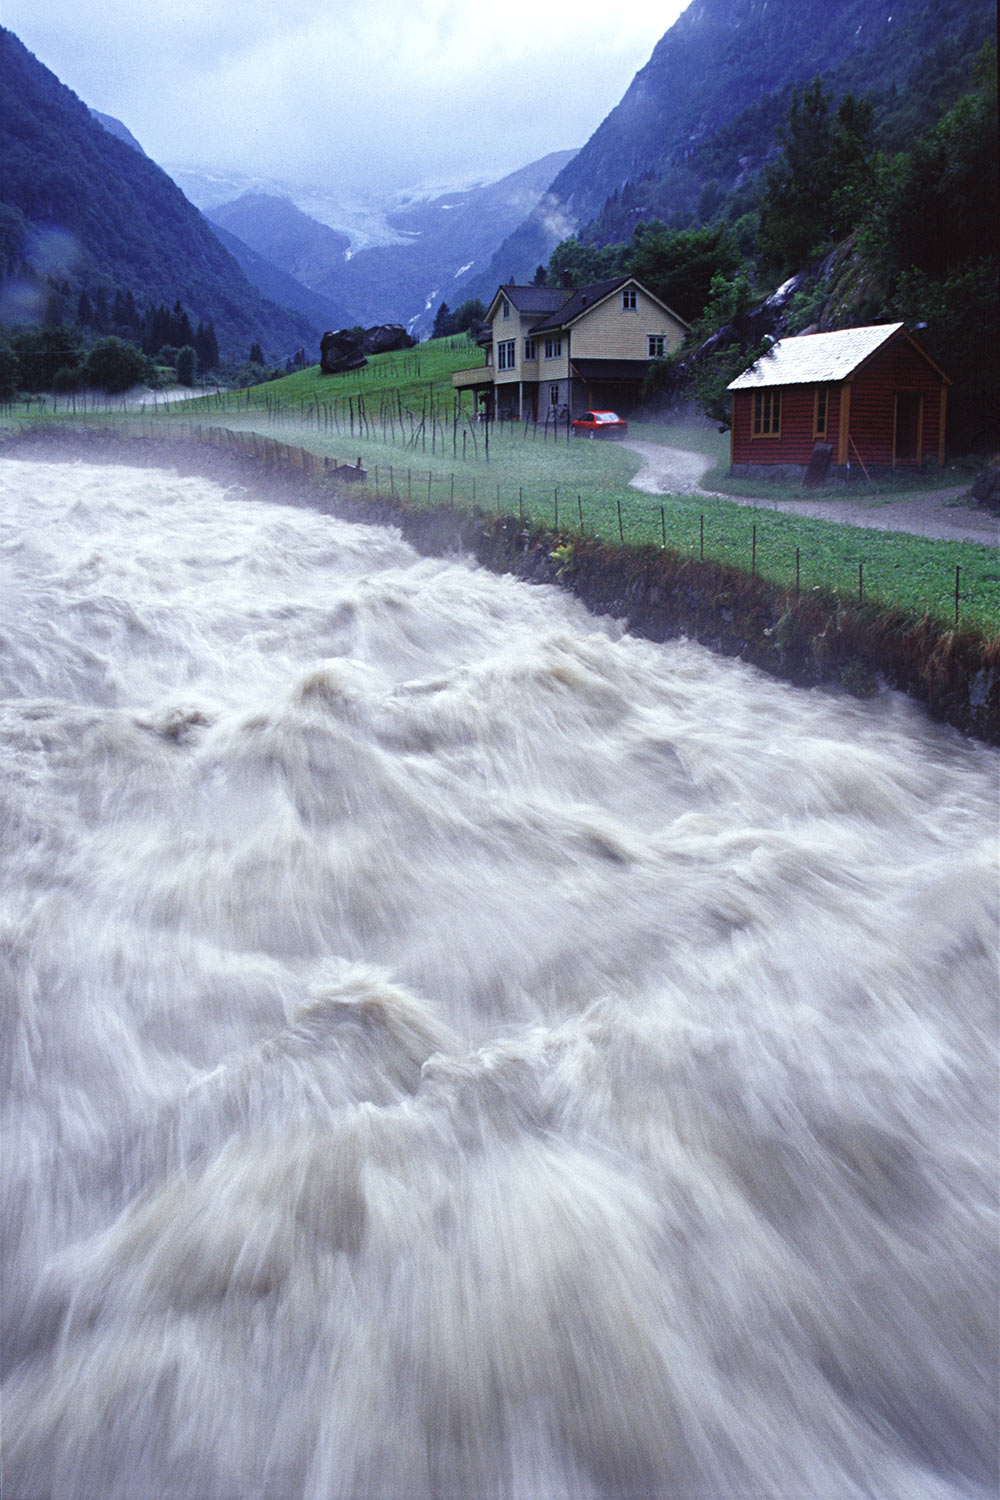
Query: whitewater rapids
point(454, 1050)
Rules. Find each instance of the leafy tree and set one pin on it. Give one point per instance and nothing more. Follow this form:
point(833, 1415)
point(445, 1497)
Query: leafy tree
point(728, 296)
point(679, 266)
point(9, 372)
point(823, 180)
point(187, 364)
point(944, 205)
point(938, 247)
point(43, 351)
point(67, 378)
point(113, 365)
point(444, 322)
point(712, 375)
point(472, 310)
point(574, 264)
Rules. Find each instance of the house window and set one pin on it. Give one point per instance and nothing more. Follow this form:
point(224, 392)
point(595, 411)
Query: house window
point(822, 411)
point(553, 395)
point(553, 348)
point(766, 413)
point(629, 299)
point(530, 349)
point(505, 354)
point(505, 308)
point(656, 344)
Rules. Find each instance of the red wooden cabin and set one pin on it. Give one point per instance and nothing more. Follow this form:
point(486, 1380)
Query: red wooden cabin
point(872, 394)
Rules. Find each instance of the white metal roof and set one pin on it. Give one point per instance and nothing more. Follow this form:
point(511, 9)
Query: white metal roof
point(814, 357)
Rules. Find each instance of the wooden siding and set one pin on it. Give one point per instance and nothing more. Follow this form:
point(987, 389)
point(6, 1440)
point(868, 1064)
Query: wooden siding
point(873, 405)
point(607, 331)
point(861, 426)
point(795, 442)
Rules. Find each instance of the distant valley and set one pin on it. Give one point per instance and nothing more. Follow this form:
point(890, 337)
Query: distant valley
point(421, 254)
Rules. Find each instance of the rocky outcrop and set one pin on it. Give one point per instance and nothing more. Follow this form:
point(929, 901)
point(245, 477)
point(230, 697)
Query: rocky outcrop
point(985, 489)
point(348, 348)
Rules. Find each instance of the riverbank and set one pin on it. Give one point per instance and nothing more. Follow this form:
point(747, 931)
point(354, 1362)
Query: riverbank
point(805, 638)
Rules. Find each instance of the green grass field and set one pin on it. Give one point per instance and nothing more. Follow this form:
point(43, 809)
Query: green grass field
point(400, 417)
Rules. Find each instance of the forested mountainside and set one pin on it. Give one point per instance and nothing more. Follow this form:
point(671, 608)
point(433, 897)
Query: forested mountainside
point(439, 240)
point(83, 212)
point(698, 123)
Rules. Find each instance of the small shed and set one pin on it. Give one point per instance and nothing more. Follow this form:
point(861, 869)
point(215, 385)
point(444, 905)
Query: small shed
point(867, 396)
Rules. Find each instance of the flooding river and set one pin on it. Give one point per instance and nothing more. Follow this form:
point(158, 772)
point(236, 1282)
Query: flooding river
point(451, 1049)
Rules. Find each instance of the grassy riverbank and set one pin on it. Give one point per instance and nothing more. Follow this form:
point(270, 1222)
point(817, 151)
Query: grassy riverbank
point(399, 417)
point(806, 637)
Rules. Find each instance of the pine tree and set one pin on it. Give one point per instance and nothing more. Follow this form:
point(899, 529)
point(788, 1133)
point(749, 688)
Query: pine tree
point(444, 323)
point(207, 347)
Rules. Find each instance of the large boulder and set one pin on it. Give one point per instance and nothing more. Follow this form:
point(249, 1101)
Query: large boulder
point(386, 338)
point(341, 350)
point(348, 348)
point(986, 488)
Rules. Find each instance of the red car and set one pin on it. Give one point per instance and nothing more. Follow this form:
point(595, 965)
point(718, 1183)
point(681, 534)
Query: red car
point(602, 424)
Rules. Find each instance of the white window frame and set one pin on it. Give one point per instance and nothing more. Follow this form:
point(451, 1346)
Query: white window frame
point(507, 354)
point(553, 395)
point(629, 299)
point(530, 349)
point(504, 308)
point(553, 348)
point(656, 345)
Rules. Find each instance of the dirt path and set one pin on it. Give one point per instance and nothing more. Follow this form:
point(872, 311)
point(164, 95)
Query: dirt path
point(677, 471)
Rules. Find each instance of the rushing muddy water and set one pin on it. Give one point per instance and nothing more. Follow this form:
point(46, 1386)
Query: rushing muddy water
point(453, 1050)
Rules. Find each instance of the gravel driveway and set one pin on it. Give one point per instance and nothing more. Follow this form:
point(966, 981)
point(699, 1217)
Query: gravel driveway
point(677, 471)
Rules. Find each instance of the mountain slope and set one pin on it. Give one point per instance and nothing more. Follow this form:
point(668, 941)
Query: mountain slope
point(82, 209)
point(438, 241)
point(702, 113)
point(279, 287)
point(274, 228)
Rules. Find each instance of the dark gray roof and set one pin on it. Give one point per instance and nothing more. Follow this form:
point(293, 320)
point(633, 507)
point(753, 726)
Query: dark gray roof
point(536, 299)
point(578, 302)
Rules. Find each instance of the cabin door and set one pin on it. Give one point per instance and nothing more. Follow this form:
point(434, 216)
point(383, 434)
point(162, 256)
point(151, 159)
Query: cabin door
point(906, 439)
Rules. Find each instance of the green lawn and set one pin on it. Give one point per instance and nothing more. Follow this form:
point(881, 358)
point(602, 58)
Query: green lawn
point(399, 415)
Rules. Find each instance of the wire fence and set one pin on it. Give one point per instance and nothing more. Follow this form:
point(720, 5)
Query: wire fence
point(768, 544)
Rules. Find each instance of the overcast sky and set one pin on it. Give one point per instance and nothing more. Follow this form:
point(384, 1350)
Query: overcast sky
point(347, 92)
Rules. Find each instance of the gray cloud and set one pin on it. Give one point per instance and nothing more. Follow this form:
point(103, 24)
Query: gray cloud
point(349, 93)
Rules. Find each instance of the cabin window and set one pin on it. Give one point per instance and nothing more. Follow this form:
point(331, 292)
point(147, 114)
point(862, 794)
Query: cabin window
point(656, 345)
point(553, 348)
point(766, 413)
point(530, 349)
point(629, 299)
point(822, 412)
point(505, 308)
point(505, 354)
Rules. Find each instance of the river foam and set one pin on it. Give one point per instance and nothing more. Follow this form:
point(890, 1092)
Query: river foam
point(453, 1049)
